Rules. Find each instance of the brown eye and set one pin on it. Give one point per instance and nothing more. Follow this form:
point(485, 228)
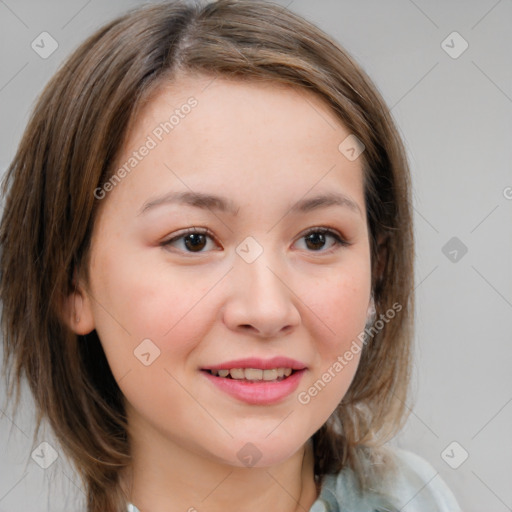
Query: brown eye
point(316, 239)
point(195, 241)
point(192, 241)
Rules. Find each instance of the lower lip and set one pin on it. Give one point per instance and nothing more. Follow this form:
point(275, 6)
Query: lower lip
point(257, 392)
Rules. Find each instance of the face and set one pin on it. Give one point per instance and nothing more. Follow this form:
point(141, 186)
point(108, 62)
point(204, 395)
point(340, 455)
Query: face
point(212, 253)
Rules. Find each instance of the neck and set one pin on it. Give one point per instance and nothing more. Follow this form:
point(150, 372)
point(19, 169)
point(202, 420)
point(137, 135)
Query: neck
point(165, 476)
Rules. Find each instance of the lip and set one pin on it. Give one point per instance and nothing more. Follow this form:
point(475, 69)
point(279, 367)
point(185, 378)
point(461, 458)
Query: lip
point(259, 392)
point(262, 364)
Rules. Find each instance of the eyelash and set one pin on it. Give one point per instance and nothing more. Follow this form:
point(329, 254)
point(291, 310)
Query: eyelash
point(339, 241)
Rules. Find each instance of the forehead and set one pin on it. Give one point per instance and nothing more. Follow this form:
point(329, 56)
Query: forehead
point(241, 136)
point(224, 102)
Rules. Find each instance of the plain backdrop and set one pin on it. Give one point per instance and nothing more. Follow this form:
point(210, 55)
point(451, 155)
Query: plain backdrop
point(445, 70)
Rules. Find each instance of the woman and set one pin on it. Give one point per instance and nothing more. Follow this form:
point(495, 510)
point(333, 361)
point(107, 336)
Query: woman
point(207, 268)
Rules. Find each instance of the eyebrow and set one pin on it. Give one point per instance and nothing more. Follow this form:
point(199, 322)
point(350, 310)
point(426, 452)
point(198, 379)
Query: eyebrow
point(213, 202)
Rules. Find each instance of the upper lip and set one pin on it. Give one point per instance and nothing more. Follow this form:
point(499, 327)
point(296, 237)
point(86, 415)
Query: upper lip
point(258, 363)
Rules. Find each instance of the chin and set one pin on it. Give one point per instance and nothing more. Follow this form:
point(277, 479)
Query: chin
point(264, 453)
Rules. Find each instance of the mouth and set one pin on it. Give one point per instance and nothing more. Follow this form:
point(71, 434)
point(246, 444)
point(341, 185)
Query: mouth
point(257, 381)
point(254, 374)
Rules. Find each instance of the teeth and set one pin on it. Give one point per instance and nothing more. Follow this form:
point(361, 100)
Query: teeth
point(269, 374)
point(237, 373)
point(254, 374)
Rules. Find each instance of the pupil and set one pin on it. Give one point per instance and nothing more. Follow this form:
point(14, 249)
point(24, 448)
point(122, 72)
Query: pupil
point(196, 239)
point(316, 238)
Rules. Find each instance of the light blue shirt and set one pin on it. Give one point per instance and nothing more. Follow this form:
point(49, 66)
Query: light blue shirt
point(417, 486)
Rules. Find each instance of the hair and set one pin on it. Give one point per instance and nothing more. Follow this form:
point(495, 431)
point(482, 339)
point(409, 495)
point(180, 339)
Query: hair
point(69, 148)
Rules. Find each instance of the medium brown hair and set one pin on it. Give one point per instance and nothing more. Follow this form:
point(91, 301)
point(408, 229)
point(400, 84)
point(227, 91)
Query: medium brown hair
point(69, 149)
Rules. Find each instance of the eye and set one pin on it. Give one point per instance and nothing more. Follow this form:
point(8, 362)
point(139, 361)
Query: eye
point(195, 240)
point(317, 238)
point(192, 240)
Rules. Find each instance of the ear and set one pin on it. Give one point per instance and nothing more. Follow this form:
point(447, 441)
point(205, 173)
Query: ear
point(77, 309)
point(370, 314)
point(382, 255)
point(378, 267)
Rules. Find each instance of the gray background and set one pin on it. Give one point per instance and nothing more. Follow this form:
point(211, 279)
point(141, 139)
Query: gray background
point(455, 117)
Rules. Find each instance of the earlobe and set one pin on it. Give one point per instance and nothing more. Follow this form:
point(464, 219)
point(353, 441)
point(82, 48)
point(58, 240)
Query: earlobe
point(370, 314)
point(78, 311)
point(78, 308)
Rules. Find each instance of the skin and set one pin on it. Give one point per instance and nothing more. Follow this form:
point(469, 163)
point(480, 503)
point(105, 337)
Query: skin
point(264, 146)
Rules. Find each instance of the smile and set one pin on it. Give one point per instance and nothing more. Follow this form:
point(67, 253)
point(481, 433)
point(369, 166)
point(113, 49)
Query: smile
point(254, 374)
point(256, 381)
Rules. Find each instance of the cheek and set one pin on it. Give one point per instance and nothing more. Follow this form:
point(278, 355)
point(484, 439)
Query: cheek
point(340, 303)
point(344, 306)
point(139, 301)
point(339, 308)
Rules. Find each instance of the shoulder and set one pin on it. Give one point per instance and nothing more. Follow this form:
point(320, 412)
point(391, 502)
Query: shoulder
point(420, 486)
point(411, 483)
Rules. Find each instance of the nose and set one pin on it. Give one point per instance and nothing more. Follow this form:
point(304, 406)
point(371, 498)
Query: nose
point(261, 299)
